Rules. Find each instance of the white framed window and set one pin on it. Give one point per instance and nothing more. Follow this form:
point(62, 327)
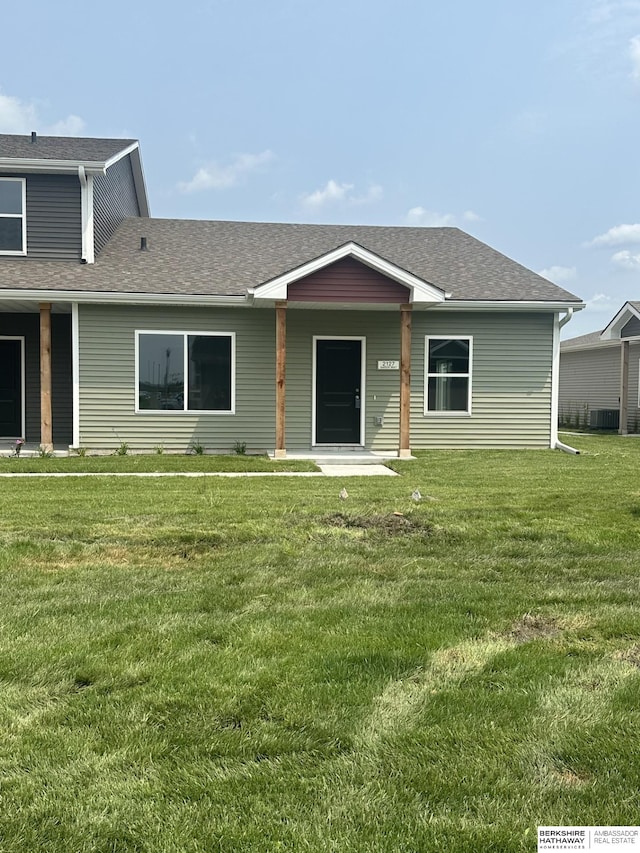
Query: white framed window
point(448, 370)
point(13, 218)
point(185, 372)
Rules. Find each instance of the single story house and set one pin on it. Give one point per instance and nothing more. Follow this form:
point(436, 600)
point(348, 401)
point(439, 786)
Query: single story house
point(119, 328)
point(600, 375)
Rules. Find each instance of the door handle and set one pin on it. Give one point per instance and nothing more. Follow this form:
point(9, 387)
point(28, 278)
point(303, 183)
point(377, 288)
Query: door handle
point(357, 398)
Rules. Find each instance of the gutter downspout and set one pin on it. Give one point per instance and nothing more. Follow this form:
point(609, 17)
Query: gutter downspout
point(558, 323)
point(86, 205)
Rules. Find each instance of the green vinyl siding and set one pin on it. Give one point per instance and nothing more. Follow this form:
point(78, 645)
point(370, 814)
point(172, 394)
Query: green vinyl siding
point(108, 389)
point(511, 378)
point(510, 381)
point(381, 330)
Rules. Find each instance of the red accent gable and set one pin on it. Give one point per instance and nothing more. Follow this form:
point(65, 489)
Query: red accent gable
point(348, 281)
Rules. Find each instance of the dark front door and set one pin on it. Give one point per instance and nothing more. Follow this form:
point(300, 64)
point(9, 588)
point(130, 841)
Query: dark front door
point(10, 388)
point(338, 391)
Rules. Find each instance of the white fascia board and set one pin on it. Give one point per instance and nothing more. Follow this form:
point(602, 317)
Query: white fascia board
point(421, 291)
point(52, 166)
point(504, 305)
point(84, 297)
point(626, 313)
point(120, 154)
point(38, 164)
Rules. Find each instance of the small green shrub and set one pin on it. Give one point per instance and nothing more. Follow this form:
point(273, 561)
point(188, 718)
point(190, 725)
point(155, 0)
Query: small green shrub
point(196, 448)
point(240, 448)
point(122, 449)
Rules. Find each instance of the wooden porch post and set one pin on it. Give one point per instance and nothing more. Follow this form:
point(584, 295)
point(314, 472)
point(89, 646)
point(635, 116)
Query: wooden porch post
point(404, 450)
point(281, 376)
point(46, 431)
point(624, 386)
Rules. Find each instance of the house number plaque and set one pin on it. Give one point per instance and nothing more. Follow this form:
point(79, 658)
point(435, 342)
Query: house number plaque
point(388, 365)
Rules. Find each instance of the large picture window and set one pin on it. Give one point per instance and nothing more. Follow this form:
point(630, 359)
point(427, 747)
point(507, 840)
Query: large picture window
point(185, 372)
point(13, 229)
point(448, 375)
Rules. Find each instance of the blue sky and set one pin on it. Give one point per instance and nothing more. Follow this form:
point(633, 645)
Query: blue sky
point(517, 122)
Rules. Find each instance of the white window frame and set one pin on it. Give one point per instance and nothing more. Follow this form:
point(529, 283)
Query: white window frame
point(22, 216)
point(185, 337)
point(468, 376)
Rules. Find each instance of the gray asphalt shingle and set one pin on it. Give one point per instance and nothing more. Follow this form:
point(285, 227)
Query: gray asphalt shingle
point(61, 148)
point(197, 257)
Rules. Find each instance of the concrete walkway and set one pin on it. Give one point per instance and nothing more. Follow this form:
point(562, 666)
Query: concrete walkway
point(325, 471)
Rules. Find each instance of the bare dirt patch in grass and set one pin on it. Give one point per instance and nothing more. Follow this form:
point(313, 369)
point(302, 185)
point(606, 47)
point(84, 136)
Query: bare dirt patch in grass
point(631, 655)
point(533, 627)
point(388, 524)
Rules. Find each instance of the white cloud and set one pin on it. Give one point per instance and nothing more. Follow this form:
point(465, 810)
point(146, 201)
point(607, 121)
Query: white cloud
point(601, 303)
point(22, 117)
point(626, 259)
point(69, 126)
point(374, 193)
point(634, 52)
point(471, 216)
point(333, 192)
point(558, 274)
point(429, 218)
point(217, 177)
point(617, 236)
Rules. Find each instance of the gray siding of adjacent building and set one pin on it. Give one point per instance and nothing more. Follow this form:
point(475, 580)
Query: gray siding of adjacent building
point(114, 199)
point(631, 328)
point(54, 220)
point(590, 380)
point(28, 326)
point(511, 378)
point(633, 405)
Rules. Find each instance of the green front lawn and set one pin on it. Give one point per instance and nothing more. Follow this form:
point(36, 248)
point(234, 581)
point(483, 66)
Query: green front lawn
point(257, 665)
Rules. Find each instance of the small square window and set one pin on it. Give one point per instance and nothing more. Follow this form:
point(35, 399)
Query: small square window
point(13, 229)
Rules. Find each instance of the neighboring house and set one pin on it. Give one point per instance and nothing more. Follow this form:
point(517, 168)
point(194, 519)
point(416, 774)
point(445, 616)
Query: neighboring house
point(117, 328)
point(600, 373)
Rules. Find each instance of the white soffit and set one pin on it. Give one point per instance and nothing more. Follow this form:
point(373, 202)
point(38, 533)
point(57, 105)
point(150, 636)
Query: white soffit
point(421, 291)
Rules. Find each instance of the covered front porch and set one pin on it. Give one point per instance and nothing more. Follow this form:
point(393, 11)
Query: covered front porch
point(36, 386)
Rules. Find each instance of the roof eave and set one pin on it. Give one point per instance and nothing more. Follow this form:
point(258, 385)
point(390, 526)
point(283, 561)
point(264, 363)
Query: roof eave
point(508, 305)
point(113, 297)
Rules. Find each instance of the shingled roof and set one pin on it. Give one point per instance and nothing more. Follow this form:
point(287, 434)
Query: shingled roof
point(73, 149)
point(197, 258)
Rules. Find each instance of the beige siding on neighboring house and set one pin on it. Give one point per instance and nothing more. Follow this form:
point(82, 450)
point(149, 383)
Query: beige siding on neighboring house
point(589, 380)
point(633, 418)
point(107, 379)
point(511, 381)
